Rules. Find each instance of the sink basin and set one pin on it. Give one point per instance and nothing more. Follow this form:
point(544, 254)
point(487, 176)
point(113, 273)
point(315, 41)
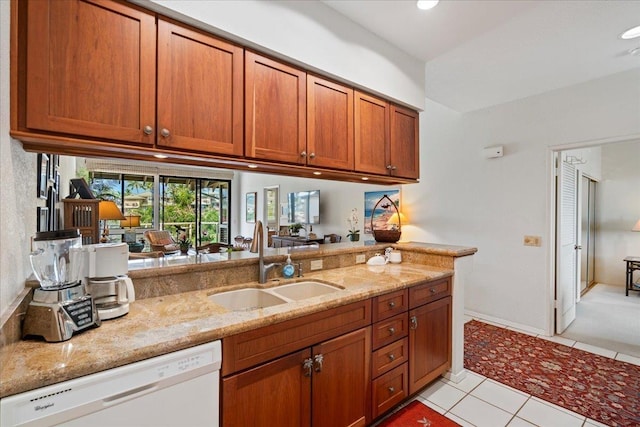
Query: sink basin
point(246, 299)
point(303, 290)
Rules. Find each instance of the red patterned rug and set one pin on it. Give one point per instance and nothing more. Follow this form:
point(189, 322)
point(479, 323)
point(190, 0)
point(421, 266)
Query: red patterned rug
point(417, 414)
point(597, 387)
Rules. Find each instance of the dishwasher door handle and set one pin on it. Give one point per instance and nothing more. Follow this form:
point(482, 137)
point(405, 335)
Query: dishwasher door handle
point(130, 394)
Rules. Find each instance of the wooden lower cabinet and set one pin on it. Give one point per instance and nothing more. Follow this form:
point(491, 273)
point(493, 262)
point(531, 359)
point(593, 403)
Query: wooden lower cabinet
point(429, 342)
point(324, 385)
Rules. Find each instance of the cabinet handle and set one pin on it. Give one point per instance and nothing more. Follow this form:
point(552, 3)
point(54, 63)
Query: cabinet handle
point(432, 290)
point(392, 389)
point(312, 155)
point(303, 154)
point(392, 357)
point(393, 168)
point(165, 133)
point(392, 304)
point(388, 167)
point(392, 331)
point(148, 130)
point(414, 322)
point(317, 361)
point(307, 367)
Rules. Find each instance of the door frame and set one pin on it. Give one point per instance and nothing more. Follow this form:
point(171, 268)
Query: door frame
point(551, 214)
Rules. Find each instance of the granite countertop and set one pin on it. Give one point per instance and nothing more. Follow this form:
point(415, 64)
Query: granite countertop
point(168, 323)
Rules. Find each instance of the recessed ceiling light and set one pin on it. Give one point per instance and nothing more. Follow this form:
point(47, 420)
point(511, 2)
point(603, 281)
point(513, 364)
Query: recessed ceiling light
point(631, 33)
point(252, 166)
point(635, 51)
point(427, 4)
point(160, 156)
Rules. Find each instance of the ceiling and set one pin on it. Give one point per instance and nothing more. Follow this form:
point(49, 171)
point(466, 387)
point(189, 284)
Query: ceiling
point(482, 53)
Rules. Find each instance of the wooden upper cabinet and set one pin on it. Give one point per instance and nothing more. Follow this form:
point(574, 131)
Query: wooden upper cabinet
point(275, 110)
point(329, 124)
point(200, 83)
point(404, 142)
point(371, 134)
point(86, 82)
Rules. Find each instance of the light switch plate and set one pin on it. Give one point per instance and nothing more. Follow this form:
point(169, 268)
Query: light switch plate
point(360, 259)
point(316, 264)
point(532, 241)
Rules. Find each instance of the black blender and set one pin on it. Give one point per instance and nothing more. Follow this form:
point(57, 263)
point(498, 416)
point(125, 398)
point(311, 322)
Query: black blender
point(61, 305)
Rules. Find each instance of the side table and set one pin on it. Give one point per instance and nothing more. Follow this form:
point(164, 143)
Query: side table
point(633, 264)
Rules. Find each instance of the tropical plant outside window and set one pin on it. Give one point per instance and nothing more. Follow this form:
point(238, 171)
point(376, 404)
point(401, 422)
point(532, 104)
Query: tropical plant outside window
point(199, 207)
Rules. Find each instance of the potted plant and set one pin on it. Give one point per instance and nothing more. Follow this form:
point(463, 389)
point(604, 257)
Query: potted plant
point(294, 229)
point(354, 233)
point(184, 242)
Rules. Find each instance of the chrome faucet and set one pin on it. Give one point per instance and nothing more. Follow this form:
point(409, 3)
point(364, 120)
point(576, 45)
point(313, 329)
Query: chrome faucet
point(257, 245)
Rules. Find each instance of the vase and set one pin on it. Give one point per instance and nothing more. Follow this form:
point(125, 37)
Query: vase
point(184, 250)
point(354, 237)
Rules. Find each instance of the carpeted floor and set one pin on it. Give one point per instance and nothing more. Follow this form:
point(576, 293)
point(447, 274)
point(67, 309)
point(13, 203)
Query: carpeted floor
point(608, 319)
point(597, 387)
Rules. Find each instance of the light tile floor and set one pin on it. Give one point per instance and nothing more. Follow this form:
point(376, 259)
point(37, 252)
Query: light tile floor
point(478, 401)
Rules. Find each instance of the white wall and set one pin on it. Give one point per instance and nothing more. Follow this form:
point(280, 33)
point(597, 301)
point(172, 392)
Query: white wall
point(492, 203)
point(17, 189)
point(312, 35)
point(617, 211)
point(336, 200)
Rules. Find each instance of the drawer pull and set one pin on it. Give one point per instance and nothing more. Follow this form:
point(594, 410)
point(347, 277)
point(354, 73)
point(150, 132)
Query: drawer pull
point(307, 367)
point(392, 331)
point(432, 290)
point(414, 322)
point(392, 304)
point(392, 389)
point(392, 357)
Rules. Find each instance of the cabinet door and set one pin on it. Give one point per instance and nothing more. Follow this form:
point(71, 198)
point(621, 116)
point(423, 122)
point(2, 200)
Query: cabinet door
point(200, 83)
point(274, 394)
point(404, 141)
point(429, 343)
point(275, 110)
point(329, 124)
point(342, 381)
point(91, 69)
point(371, 134)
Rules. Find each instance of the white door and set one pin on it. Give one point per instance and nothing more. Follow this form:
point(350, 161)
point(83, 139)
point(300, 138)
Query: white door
point(566, 246)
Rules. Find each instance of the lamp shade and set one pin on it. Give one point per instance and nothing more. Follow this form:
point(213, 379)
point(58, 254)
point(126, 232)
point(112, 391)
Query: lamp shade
point(397, 221)
point(109, 210)
point(130, 221)
point(636, 227)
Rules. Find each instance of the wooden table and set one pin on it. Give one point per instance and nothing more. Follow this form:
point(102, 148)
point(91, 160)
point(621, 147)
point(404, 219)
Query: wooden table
point(633, 264)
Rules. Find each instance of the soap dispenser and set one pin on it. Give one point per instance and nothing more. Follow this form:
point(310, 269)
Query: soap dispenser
point(288, 269)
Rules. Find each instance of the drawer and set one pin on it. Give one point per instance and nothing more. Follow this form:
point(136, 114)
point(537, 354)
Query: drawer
point(389, 356)
point(427, 292)
point(388, 305)
point(390, 330)
point(389, 389)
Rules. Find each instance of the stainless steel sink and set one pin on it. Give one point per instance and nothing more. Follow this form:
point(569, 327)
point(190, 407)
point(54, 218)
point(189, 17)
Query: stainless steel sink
point(303, 290)
point(246, 299)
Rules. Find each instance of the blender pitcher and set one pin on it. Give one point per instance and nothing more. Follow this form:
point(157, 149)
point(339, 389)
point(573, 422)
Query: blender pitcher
point(57, 258)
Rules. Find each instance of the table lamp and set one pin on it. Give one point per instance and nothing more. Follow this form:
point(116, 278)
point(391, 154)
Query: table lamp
point(395, 222)
point(131, 221)
point(108, 210)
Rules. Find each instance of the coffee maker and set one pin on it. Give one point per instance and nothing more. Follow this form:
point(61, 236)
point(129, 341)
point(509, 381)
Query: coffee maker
point(61, 305)
point(105, 274)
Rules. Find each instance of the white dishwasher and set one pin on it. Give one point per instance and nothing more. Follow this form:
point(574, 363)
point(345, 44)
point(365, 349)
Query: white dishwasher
point(176, 389)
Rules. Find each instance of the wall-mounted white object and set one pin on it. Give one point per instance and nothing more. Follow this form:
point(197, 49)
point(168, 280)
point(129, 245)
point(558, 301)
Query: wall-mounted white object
point(493, 152)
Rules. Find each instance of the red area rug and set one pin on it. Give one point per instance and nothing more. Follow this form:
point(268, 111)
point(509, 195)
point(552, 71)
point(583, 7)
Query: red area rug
point(597, 387)
point(417, 414)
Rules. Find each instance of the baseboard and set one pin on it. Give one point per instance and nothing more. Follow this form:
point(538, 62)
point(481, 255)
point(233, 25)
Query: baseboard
point(505, 323)
point(455, 378)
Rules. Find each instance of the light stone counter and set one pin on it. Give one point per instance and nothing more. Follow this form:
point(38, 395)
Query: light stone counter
point(175, 319)
point(160, 325)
